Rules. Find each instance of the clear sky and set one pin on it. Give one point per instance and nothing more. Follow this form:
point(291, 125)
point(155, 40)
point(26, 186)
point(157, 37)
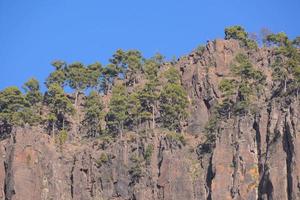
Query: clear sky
point(35, 32)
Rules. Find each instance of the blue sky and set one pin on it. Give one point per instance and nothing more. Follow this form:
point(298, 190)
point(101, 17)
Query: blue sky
point(35, 32)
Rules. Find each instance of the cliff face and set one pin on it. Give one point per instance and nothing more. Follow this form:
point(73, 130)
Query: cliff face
point(256, 156)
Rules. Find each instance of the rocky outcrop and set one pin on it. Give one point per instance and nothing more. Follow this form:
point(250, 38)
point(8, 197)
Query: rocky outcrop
point(256, 156)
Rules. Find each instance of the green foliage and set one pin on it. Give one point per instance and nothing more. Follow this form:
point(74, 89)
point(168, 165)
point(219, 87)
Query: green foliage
point(32, 90)
point(173, 105)
point(211, 125)
point(102, 159)
point(93, 73)
point(62, 137)
point(134, 64)
point(176, 137)
point(118, 60)
point(117, 109)
point(31, 116)
point(129, 63)
point(148, 98)
point(58, 64)
point(242, 107)
point(135, 170)
point(244, 69)
point(239, 33)
point(286, 66)
point(241, 89)
point(296, 42)
point(59, 104)
point(134, 110)
point(94, 115)
point(58, 76)
point(109, 73)
point(78, 78)
point(249, 82)
point(151, 68)
point(12, 107)
point(235, 32)
point(58, 101)
point(227, 87)
point(148, 153)
point(200, 49)
point(172, 75)
point(279, 39)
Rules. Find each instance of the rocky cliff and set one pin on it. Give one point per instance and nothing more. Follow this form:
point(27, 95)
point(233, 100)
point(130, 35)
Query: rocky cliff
point(254, 156)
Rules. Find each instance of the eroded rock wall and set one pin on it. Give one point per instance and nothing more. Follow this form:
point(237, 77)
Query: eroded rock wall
point(255, 156)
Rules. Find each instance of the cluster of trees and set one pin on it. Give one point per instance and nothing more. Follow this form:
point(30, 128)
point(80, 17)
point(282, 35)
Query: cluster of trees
point(286, 69)
point(245, 85)
point(141, 96)
point(18, 109)
point(149, 104)
point(240, 91)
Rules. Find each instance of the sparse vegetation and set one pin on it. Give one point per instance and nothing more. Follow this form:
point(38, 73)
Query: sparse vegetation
point(148, 152)
point(62, 137)
point(135, 170)
point(103, 158)
point(239, 33)
point(176, 137)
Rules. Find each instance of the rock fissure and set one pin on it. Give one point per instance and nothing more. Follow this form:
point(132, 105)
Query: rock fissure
point(72, 177)
point(289, 149)
point(9, 190)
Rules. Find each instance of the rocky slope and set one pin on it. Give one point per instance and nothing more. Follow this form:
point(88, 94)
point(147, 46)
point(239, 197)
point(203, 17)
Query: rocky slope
point(256, 156)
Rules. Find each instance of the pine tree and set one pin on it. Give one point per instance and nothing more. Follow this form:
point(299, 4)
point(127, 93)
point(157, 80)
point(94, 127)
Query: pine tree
point(94, 114)
point(239, 33)
point(34, 97)
point(173, 101)
point(129, 64)
point(32, 89)
point(173, 105)
point(59, 75)
point(134, 111)
point(119, 61)
point(118, 106)
point(93, 73)
point(77, 78)
point(149, 95)
point(12, 105)
point(172, 75)
point(59, 104)
point(134, 64)
point(109, 73)
point(279, 39)
point(148, 99)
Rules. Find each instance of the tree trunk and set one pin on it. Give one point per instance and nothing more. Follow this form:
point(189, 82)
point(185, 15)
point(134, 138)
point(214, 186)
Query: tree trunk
point(285, 85)
point(53, 129)
point(63, 128)
point(121, 130)
point(153, 117)
point(76, 98)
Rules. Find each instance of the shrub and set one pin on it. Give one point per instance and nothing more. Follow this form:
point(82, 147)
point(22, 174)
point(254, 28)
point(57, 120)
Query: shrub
point(135, 170)
point(200, 49)
point(227, 87)
point(148, 152)
point(62, 137)
point(102, 159)
point(173, 136)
